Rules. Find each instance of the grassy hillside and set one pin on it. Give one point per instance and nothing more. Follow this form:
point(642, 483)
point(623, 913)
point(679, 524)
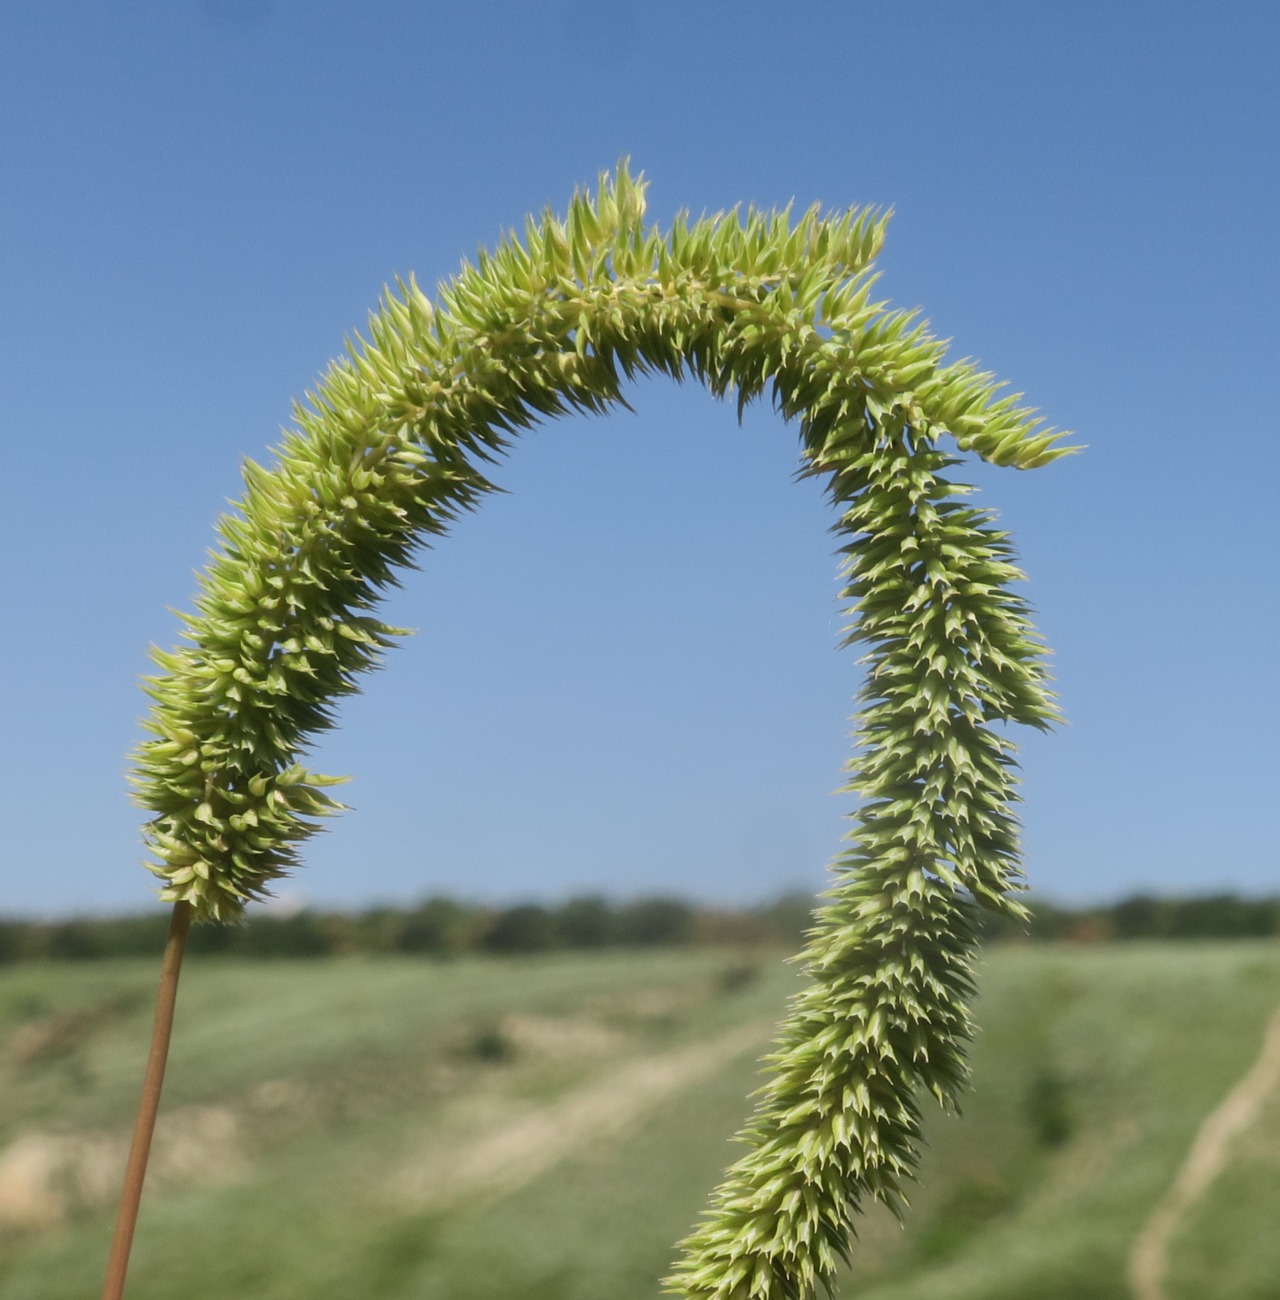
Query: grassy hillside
point(548, 1127)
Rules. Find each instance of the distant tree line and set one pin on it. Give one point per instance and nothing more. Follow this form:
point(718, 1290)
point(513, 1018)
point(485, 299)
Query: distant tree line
point(1144, 916)
point(437, 927)
point(446, 927)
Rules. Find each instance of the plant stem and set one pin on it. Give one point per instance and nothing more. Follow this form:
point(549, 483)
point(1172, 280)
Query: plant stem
point(153, 1081)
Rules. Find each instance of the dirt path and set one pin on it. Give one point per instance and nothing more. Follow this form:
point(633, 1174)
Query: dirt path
point(1149, 1258)
point(45, 1176)
point(518, 1151)
point(487, 1144)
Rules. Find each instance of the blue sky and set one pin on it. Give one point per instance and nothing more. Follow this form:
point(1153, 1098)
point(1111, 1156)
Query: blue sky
point(625, 676)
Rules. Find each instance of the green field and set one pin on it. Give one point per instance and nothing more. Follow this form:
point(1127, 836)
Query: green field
point(546, 1128)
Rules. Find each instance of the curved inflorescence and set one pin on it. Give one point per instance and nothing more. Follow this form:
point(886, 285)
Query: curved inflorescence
point(392, 446)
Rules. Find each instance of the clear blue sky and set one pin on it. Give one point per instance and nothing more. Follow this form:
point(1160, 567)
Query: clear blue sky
point(625, 676)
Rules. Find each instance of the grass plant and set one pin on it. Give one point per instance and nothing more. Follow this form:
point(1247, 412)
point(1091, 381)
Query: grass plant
point(399, 438)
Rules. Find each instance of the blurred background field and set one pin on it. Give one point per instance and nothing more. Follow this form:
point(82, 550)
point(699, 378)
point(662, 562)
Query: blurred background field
point(548, 1125)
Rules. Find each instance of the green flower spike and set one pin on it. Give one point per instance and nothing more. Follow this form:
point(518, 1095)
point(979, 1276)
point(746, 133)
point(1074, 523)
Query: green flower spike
point(395, 443)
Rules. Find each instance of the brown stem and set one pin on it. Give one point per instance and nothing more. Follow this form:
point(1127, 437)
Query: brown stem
point(136, 1170)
